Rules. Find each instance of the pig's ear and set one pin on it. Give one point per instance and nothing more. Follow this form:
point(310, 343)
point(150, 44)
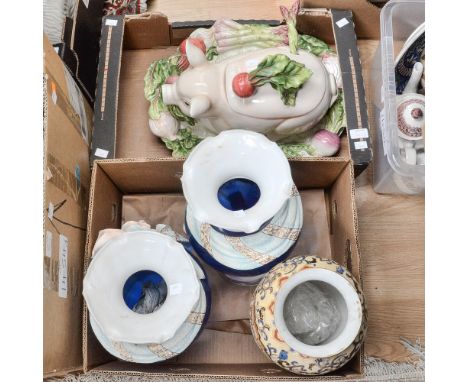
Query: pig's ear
point(195, 55)
point(198, 105)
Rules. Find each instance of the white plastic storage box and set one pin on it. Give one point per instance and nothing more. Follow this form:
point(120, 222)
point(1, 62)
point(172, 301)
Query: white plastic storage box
point(399, 19)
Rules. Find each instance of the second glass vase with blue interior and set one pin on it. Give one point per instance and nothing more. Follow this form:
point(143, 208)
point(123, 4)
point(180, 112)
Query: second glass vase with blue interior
point(244, 213)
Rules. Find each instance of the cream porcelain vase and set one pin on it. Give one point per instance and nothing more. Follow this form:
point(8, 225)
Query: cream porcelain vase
point(247, 240)
point(204, 91)
point(144, 338)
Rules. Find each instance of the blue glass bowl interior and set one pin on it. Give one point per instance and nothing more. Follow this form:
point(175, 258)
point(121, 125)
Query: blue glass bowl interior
point(238, 194)
point(133, 290)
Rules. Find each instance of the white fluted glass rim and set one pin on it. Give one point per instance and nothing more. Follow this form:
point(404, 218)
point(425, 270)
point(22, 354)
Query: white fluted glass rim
point(236, 154)
point(118, 259)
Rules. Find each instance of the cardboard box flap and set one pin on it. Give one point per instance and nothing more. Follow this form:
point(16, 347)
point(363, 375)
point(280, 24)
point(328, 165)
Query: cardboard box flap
point(146, 30)
point(366, 14)
point(208, 10)
point(67, 132)
point(266, 371)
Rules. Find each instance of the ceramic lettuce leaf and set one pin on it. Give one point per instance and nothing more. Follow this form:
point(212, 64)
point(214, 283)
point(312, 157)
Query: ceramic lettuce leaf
point(313, 45)
point(335, 119)
point(157, 74)
point(177, 114)
point(283, 74)
point(183, 144)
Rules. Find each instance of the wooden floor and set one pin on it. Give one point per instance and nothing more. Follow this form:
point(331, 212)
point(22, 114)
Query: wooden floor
point(391, 234)
point(391, 227)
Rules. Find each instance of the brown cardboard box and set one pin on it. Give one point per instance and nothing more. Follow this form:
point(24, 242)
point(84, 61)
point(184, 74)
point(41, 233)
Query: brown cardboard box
point(132, 188)
point(67, 132)
point(79, 43)
point(150, 189)
point(130, 44)
point(366, 14)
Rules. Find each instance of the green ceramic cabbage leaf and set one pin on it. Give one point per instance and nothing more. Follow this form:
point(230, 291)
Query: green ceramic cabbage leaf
point(296, 150)
point(183, 144)
point(313, 45)
point(155, 77)
point(283, 74)
point(335, 119)
point(211, 53)
point(157, 74)
point(179, 115)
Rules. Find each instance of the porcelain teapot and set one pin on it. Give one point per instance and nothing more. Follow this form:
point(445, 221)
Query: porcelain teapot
point(410, 107)
point(410, 117)
point(204, 91)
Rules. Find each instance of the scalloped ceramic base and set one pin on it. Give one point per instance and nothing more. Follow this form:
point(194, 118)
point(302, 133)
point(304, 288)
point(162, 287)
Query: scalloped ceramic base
point(152, 353)
point(135, 247)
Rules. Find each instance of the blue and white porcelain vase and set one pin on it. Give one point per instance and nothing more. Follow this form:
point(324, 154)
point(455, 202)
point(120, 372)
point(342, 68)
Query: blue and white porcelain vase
point(244, 213)
point(148, 299)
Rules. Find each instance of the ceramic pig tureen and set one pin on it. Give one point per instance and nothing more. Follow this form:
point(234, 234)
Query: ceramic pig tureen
point(269, 80)
point(237, 93)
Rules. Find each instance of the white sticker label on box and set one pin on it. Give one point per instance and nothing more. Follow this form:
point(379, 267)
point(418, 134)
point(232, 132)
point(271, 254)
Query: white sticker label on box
point(54, 97)
point(360, 145)
point(48, 244)
point(111, 22)
point(341, 23)
point(358, 133)
point(175, 289)
point(86, 3)
point(63, 267)
point(101, 153)
point(50, 211)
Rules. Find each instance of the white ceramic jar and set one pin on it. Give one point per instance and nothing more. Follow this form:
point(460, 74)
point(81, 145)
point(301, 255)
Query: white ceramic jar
point(334, 308)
